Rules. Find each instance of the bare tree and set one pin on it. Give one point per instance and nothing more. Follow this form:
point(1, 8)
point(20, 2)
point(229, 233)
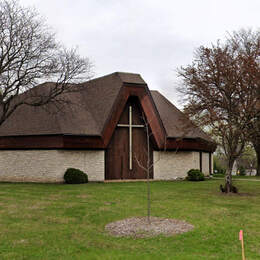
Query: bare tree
point(149, 164)
point(220, 88)
point(147, 168)
point(29, 54)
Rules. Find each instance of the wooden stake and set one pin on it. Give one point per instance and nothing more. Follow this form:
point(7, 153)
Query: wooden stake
point(242, 244)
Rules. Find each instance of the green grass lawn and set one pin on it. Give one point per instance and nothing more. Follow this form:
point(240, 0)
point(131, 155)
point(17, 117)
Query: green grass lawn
point(238, 176)
point(246, 177)
point(48, 221)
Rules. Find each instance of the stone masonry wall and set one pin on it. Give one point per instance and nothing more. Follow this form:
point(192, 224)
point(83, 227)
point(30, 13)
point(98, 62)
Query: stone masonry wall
point(170, 165)
point(49, 165)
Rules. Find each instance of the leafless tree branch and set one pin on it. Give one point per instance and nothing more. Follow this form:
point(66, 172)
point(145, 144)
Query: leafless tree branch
point(29, 55)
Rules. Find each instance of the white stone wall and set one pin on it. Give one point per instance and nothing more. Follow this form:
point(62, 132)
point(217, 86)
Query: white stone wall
point(171, 165)
point(205, 163)
point(49, 165)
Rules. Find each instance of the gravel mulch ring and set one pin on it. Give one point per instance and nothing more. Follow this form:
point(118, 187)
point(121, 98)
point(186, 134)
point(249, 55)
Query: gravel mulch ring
point(138, 227)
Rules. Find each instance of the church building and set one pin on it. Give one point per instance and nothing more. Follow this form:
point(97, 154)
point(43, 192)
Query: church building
point(107, 130)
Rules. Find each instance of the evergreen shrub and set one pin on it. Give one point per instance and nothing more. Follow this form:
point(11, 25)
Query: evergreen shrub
point(75, 176)
point(195, 175)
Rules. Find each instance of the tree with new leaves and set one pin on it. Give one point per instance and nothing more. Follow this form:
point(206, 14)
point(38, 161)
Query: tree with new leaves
point(29, 55)
point(248, 44)
point(248, 159)
point(221, 90)
point(256, 142)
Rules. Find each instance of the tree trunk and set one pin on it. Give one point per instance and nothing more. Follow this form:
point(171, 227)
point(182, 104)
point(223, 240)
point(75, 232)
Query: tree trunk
point(229, 176)
point(148, 198)
point(256, 144)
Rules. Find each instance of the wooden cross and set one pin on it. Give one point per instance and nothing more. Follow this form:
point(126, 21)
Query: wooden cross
point(130, 126)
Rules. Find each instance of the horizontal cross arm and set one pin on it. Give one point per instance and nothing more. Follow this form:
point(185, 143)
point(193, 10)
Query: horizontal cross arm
point(125, 125)
point(137, 125)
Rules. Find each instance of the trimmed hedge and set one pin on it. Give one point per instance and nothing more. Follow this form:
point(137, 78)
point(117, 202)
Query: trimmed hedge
point(75, 176)
point(195, 175)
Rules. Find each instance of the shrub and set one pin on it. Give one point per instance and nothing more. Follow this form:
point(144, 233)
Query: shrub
point(195, 175)
point(75, 176)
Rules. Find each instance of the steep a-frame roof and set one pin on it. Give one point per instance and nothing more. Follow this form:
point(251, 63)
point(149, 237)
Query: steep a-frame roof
point(90, 116)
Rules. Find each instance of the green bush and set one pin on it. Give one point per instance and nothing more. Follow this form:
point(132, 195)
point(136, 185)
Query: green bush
point(75, 176)
point(195, 175)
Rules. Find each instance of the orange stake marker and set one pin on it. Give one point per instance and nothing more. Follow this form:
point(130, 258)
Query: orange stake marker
point(242, 244)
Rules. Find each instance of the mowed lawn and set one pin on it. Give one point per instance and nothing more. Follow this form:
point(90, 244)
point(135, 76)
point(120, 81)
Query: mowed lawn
point(49, 221)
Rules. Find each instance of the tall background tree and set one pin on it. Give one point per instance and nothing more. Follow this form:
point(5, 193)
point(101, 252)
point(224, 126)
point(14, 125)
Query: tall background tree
point(256, 141)
point(221, 90)
point(248, 45)
point(29, 54)
point(255, 138)
point(247, 161)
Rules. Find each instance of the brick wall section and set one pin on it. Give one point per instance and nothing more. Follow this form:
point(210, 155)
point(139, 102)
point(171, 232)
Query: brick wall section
point(205, 163)
point(171, 165)
point(49, 165)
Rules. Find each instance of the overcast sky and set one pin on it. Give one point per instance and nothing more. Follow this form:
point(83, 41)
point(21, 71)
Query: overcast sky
point(149, 37)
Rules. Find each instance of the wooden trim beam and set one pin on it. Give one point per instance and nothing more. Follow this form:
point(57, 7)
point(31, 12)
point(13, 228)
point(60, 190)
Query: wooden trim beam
point(91, 142)
point(141, 91)
point(190, 144)
point(51, 142)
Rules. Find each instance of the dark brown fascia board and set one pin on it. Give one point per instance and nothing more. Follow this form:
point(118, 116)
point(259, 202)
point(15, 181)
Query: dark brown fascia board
point(55, 141)
point(58, 134)
point(156, 125)
point(31, 142)
point(92, 142)
point(190, 144)
point(142, 92)
point(81, 142)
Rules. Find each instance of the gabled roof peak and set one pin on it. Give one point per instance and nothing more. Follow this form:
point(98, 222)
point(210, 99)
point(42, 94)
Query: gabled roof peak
point(133, 78)
point(124, 77)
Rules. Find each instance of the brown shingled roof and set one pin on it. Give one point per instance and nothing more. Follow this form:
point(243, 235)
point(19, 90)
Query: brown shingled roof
point(175, 122)
point(89, 111)
point(85, 114)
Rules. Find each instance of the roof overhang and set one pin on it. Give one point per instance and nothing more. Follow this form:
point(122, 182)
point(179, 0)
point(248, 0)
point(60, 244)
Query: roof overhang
point(93, 142)
point(194, 144)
